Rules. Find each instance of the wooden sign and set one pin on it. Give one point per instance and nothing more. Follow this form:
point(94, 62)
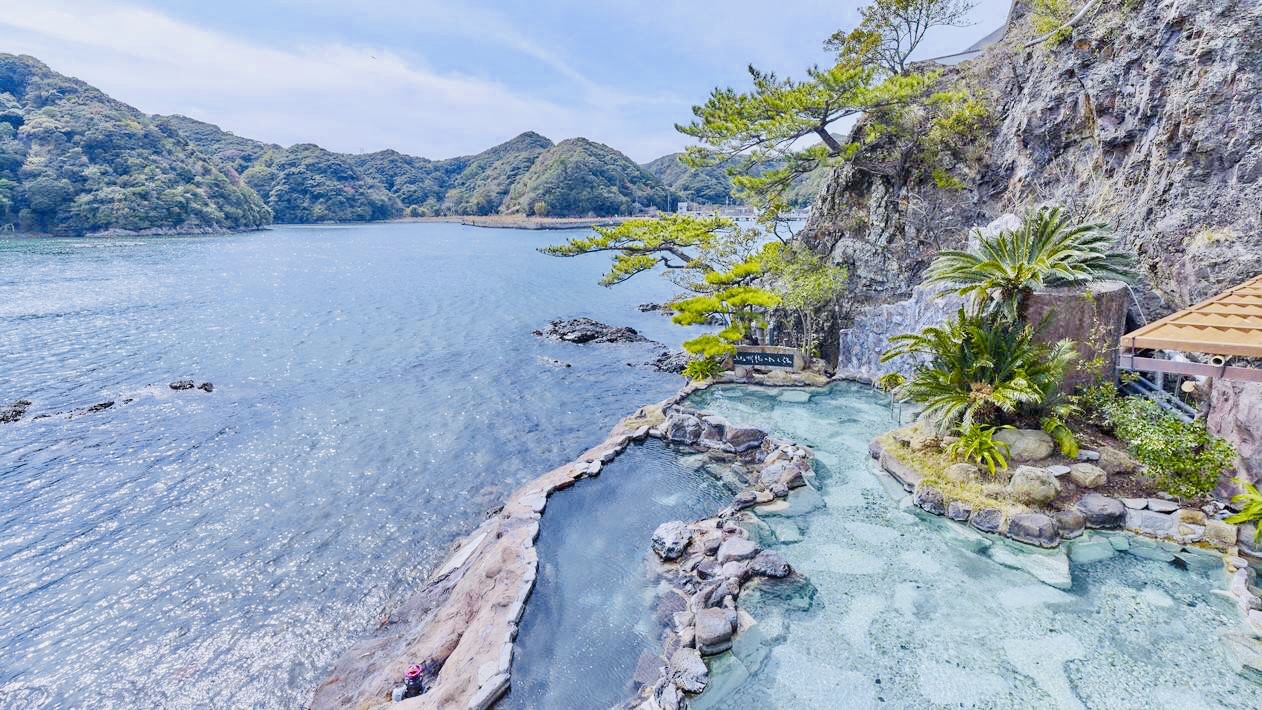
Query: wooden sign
point(767, 357)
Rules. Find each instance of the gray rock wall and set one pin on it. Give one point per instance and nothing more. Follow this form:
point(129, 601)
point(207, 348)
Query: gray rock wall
point(1235, 413)
point(1149, 119)
point(861, 345)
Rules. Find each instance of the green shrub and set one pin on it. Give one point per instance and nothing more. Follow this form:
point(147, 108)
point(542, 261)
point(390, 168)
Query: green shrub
point(981, 368)
point(1183, 458)
point(1060, 432)
point(703, 368)
point(977, 444)
point(1251, 508)
point(891, 381)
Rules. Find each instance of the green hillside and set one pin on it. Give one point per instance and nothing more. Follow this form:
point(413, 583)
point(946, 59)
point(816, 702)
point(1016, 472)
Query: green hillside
point(74, 161)
point(488, 177)
point(305, 183)
point(713, 186)
point(579, 177)
point(710, 185)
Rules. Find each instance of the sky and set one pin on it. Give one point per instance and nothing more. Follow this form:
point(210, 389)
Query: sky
point(437, 78)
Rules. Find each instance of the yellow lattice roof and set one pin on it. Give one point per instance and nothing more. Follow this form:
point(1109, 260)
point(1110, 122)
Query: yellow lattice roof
point(1227, 324)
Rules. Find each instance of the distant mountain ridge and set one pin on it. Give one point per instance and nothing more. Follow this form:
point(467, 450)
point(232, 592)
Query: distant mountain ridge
point(75, 161)
point(528, 175)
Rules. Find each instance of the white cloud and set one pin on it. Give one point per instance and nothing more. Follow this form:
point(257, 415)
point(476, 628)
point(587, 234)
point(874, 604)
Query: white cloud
point(344, 97)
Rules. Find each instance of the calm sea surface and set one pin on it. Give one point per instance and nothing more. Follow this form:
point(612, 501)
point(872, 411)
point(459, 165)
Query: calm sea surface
point(376, 390)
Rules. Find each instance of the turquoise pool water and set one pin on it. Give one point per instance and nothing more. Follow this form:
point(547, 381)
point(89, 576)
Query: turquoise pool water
point(911, 610)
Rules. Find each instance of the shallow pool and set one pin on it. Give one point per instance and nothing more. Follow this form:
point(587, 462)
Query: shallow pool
point(589, 618)
point(911, 610)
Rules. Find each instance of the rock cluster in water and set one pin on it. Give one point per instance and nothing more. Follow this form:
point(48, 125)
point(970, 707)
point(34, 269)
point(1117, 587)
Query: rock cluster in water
point(705, 564)
point(586, 330)
point(15, 411)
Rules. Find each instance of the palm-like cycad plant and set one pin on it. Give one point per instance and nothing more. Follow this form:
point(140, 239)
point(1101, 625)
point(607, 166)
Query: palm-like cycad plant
point(979, 368)
point(1045, 251)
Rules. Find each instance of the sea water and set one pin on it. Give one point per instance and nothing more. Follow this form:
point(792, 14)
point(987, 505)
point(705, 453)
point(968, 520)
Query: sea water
point(376, 389)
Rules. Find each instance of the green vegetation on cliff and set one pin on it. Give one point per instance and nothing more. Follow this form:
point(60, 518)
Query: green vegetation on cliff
point(306, 183)
point(487, 178)
point(74, 161)
point(709, 185)
point(712, 184)
point(580, 177)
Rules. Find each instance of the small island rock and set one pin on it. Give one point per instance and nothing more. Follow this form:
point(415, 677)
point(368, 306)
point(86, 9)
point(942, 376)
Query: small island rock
point(586, 330)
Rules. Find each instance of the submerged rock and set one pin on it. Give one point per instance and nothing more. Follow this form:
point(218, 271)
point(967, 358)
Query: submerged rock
point(586, 330)
point(713, 631)
point(15, 411)
point(687, 671)
point(1102, 511)
point(671, 539)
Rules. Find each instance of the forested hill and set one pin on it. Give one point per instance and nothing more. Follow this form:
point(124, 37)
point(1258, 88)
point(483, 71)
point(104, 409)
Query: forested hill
point(713, 186)
point(579, 176)
point(526, 175)
point(74, 161)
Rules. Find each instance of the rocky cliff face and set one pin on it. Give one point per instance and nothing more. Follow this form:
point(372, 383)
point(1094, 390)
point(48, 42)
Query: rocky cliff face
point(1148, 118)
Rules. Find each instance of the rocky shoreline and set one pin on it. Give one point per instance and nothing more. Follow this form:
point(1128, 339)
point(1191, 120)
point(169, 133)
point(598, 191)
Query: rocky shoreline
point(465, 619)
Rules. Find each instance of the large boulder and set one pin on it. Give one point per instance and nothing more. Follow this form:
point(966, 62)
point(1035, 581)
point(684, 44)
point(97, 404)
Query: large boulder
point(987, 520)
point(713, 631)
point(682, 428)
point(1033, 529)
point(736, 548)
point(1025, 445)
point(687, 671)
point(1088, 475)
point(744, 438)
point(671, 539)
point(769, 563)
point(929, 499)
point(1033, 486)
point(1102, 511)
